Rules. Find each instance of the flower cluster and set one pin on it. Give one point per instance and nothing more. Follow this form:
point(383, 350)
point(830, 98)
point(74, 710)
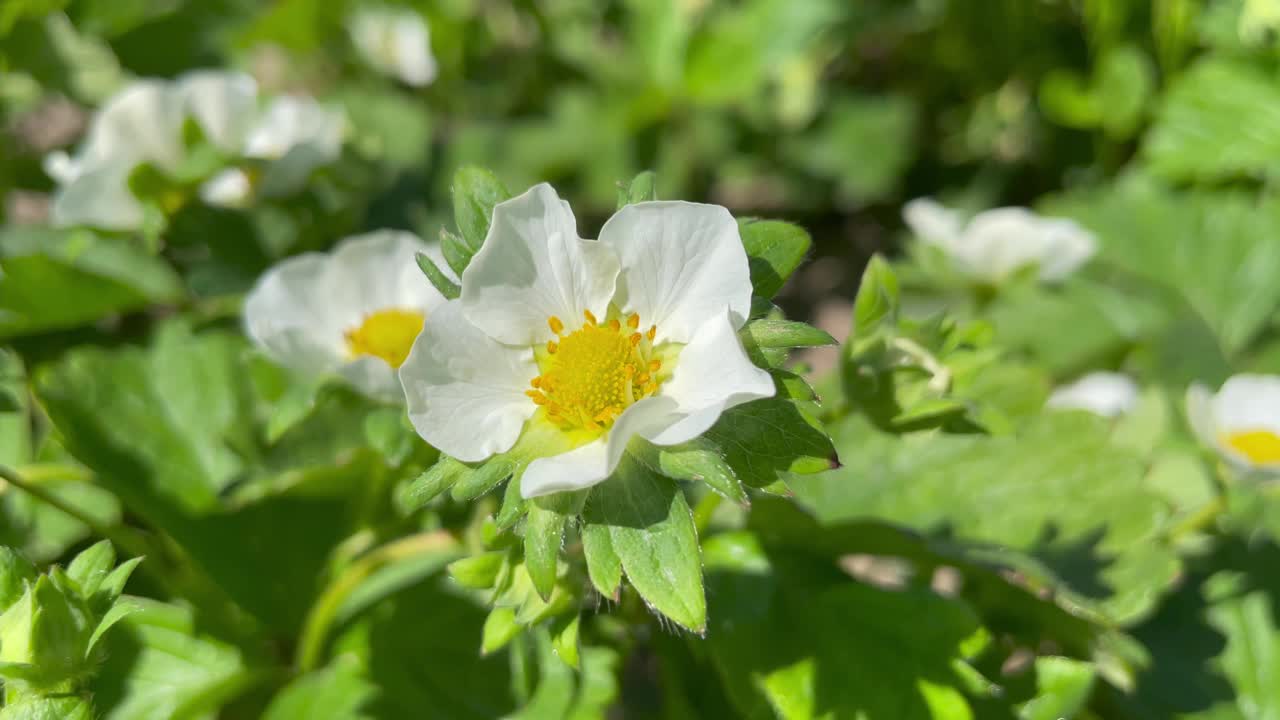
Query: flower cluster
point(271, 150)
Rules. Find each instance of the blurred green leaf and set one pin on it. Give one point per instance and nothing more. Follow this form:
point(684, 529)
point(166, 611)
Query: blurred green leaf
point(864, 144)
point(55, 280)
point(338, 692)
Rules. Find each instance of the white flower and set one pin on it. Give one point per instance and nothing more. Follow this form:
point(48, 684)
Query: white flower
point(354, 311)
point(1102, 393)
point(581, 345)
point(1241, 421)
point(997, 243)
point(394, 42)
point(144, 122)
point(299, 135)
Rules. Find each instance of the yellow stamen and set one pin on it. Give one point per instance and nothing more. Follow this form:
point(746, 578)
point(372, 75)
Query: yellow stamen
point(1260, 447)
point(387, 334)
point(557, 327)
point(591, 375)
point(653, 332)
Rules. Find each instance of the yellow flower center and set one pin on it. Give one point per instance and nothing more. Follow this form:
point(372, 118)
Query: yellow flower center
point(1261, 447)
point(386, 334)
point(592, 374)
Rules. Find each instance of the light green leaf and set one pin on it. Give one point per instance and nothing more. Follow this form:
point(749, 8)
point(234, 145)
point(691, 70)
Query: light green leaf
point(338, 692)
point(119, 611)
point(698, 460)
point(54, 280)
point(1057, 499)
point(479, 571)
point(774, 250)
point(771, 333)
point(651, 529)
point(877, 300)
point(91, 566)
point(51, 708)
point(1198, 133)
point(604, 567)
point(499, 628)
point(475, 192)
point(430, 484)
point(448, 288)
point(1063, 687)
point(15, 573)
point(643, 188)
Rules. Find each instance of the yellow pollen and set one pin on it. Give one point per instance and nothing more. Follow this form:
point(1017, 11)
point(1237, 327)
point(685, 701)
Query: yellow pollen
point(591, 375)
point(1261, 447)
point(387, 334)
point(653, 332)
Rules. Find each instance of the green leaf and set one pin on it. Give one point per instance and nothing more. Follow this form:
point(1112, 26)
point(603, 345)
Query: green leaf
point(448, 288)
point(651, 529)
point(765, 440)
point(15, 573)
point(55, 280)
point(877, 300)
point(1201, 246)
point(475, 192)
point(565, 641)
point(1056, 500)
point(1063, 688)
point(543, 534)
point(1198, 133)
point(90, 568)
point(809, 644)
point(770, 333)
point(113, 584)
point(695, 461)
point(338, 692)
point(604, 567)
point(877, 130)
point(119, 611)
point(161, 666)
point(643, 188)
point(49, 708)
point(774, 250)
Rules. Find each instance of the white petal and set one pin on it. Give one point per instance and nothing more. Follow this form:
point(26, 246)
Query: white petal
point(1001, 241)
point(142, 123)
point(577, 469)
point(1200, 414)
point(466, 391)
point(1248, 402)
point(229, 188)
point(61, 167)
point(682, 264)
point(1102, 393)
point(414, 62)
point(534, 266)
point(933, 223)
point(377, 271)
point(292, 121)
point(712, 374)
point(287, 315)
point(373, 377)
point(98, 198)
point(223, 104)
point(1069, 247)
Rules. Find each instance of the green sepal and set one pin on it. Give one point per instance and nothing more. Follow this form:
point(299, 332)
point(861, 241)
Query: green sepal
point(543, 535)
point(642, 188)
point(475, 193)
point(448, 288)
point(478, 572)
point(698, 460)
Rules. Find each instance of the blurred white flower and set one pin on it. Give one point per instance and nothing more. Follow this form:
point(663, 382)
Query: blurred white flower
point(354, 311)
point(1103, 393)
point(144, 122)
point(1241, 421)
point(586, 344)
point(394, 41)
point(997, 243)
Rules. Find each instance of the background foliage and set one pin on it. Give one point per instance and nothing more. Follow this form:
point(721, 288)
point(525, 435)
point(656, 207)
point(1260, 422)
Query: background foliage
point(973, 554)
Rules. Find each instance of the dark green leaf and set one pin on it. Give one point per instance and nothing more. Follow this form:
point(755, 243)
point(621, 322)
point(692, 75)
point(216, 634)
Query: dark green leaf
point(774, 250)
point(543, 534)
point(764, 440)
point(475, 192)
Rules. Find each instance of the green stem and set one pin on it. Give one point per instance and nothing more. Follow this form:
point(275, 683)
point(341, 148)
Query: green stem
point(320, 620)
point(124, 541)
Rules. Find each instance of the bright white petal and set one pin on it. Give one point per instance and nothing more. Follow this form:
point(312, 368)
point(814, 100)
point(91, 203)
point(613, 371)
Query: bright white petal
point(394, 42)
point(98, 198)
point(229, 188)
point(465, 391)
point(1200, 414)
point(1001, 241)
point(1102, 393)
point(577, 469)
point(1248, 402)
point(534, 266)
point(414, 62)
point(712, 374)
point(933, 223)
point(682, 264)
point(291, 121)
point(61, 167)
point(223, 104)
point(287, 315)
